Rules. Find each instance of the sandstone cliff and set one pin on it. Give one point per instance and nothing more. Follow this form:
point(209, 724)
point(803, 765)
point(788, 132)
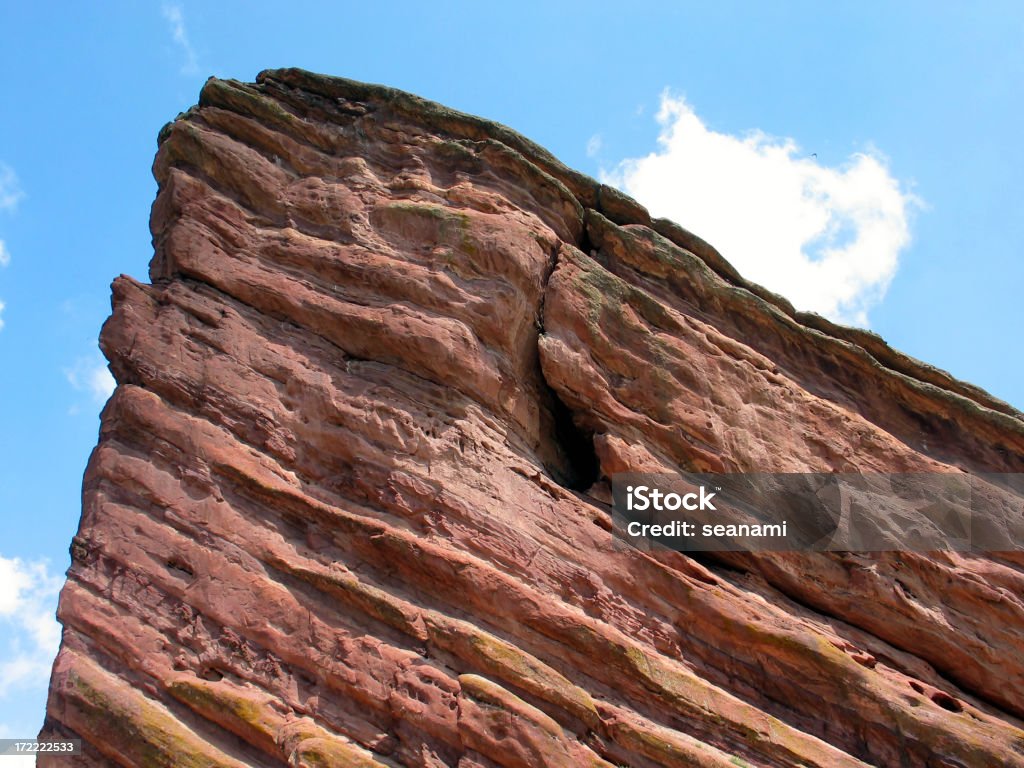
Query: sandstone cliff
point(349, 502)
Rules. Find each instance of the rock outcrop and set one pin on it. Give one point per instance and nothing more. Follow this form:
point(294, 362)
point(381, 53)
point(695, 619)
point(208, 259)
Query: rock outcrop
point(349, 504)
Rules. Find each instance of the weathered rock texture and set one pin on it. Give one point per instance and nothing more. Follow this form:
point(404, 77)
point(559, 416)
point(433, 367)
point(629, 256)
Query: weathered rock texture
point(348, 506)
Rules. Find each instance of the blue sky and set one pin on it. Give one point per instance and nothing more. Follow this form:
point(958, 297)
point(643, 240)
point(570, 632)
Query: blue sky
point(903, 121)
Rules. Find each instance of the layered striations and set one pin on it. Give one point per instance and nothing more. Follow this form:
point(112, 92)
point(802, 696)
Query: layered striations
point(349, 503)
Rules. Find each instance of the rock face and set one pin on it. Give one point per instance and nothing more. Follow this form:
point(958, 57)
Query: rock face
point(349, 504)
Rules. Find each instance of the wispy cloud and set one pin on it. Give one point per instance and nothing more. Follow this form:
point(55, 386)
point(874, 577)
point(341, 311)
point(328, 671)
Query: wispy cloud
point(2, 307)
point(594, 145)
point(28, 602)
point(826, 237)
point(90, 374)
point(10, 189)
point(176, 21)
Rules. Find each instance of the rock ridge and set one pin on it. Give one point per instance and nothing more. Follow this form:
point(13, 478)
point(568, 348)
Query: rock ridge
point(349, 504)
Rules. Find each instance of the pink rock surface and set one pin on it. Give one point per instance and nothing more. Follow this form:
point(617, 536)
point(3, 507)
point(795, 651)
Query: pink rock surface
point(349, 502)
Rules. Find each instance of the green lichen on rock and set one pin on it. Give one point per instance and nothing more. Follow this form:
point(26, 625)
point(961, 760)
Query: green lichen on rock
point(365, 597)
point(510, 664)
point(330, 753)
point(665, 746)
point(251, 718)
point(113, 715)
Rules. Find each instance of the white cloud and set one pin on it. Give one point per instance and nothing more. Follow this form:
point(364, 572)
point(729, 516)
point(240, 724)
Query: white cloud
point(90, 374)
point(827, 238)
point(2, 305)
point(5, 255)
point(176, 20)
point(101, 384)
point(594, 145)
point(10, 189)
point(28, 603)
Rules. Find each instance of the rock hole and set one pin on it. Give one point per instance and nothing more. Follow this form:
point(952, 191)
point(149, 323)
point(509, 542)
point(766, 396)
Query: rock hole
point(577, 445)
point(180, 566)
point(917, 686)
point(212, 674)
point(947, 702)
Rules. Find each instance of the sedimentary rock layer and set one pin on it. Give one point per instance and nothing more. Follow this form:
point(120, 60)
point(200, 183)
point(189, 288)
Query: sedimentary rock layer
point(349, 504)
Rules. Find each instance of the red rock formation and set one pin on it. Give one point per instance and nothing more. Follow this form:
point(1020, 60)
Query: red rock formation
point(348, 506)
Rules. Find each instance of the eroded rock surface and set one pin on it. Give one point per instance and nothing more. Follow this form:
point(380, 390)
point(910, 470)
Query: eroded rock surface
point(348, 505)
